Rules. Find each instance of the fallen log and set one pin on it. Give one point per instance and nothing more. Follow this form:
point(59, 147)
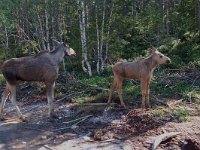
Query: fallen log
point(163, 137)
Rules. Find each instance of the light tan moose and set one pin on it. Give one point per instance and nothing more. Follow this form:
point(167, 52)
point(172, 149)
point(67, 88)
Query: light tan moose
point(42, 67)
point(140, 70)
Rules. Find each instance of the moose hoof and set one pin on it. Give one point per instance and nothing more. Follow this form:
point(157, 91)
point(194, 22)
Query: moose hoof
point(148, 107)
point(2, 118)
point(123, 105)
point(53, 116)
point(109, 101)
point(24, 118)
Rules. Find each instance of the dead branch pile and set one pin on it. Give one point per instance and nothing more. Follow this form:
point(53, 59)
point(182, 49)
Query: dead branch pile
point(141, 122)
point(134, 123)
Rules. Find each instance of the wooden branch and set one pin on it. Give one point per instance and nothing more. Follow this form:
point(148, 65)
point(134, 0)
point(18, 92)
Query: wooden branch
point(76, 119)
point(174, 69)
point(163, 137)
point(47, 147)
point(98, 104)
point(75, 124)
point(82, 120)
point(160, 101)
point(58, 100)
point(95, 86)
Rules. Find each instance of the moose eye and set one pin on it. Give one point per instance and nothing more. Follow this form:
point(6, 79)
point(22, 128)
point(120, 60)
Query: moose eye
point(161, 56)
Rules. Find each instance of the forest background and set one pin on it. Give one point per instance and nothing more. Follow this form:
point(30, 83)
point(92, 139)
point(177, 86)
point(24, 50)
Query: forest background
point(102, 31)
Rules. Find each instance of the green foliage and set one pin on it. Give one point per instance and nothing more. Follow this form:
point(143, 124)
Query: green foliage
point(133, 27)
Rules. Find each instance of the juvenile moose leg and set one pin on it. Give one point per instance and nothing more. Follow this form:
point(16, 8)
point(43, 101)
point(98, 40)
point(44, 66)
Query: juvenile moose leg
point(119, 90)
point(113, 86)
point(50, 97)
point(143, 90)
point(4, 98)
point(147, 93)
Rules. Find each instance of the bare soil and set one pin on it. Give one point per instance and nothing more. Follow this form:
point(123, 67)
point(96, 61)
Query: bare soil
point(90, 126)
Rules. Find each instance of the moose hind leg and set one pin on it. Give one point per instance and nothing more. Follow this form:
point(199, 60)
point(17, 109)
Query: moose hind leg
point(50, 97)
point(113, 86)
point(4, 98)
point(119, 90)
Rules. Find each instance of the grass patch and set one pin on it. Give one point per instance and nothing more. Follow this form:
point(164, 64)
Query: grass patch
point(159, 112)
point(181, 114)
point(2, 80)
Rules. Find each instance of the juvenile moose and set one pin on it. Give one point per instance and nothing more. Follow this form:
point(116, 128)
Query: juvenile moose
point(141, 70)
point(42, 67)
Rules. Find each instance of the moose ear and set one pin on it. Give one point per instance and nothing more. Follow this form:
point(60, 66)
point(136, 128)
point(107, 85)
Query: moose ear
point(66, 41)
point(56, 42)
point(152, 49)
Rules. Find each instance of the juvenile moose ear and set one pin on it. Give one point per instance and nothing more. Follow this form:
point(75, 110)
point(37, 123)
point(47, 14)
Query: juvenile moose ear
point(152, 49)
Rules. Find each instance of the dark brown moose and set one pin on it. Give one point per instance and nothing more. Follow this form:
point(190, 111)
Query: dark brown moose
point(141, 70)
point(42, 67)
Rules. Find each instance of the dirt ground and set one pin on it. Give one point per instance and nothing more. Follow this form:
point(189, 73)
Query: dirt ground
point(90, 126)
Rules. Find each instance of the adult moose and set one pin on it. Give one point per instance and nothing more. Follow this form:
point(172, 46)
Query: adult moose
point(42, 67)
point(141, 70)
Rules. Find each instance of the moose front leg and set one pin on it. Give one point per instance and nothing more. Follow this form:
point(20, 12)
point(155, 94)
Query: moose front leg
point(143, 90)
point(13, 100)
point(4, 98)
point(147, 94)
point(50, 97)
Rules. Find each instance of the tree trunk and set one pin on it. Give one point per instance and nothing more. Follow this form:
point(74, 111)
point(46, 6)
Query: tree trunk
point(5, 42)
point(161, 4)
point(41, 33)
point(198, 11)
point(53, 30)
point(102, 37)
point(47, 25)
point(97, 32)
point(108, 32)
point(82, 24)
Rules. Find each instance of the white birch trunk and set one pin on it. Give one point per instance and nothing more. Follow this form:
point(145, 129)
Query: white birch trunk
point(47, 25)
point(53, 30)
point(41, 31)
point(102, 36)
point(97, 32)
point(6, 42)
point(108, 32)
point(82, 24)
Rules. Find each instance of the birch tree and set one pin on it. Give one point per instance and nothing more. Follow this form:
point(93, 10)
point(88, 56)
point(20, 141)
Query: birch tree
point(98, 42)
point(85, 63)
point(102, 36)
point(108, 31)
point(47, 24)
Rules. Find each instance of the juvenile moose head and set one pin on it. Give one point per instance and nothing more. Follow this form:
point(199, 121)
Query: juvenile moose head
point(41, 67)
point(140, 70)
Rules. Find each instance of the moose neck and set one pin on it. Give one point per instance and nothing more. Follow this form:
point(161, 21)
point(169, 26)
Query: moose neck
point(151, 63)
point(58, 55)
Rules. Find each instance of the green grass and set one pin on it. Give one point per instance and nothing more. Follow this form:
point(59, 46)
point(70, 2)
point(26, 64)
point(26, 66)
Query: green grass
point(2, 80)
point(163, 84)
point(158, 112)
point(181, 114)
